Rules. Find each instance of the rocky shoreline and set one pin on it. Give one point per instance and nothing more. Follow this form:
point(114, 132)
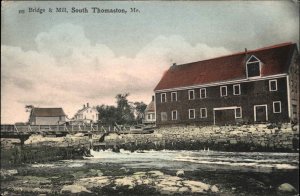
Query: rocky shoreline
point(68, 178)
point(245, 138)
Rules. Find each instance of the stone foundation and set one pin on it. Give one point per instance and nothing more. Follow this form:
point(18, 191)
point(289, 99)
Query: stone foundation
point(39, 149)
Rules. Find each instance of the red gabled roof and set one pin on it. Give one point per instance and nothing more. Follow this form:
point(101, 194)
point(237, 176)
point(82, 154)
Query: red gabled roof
point(275, 59)
point(47, 112)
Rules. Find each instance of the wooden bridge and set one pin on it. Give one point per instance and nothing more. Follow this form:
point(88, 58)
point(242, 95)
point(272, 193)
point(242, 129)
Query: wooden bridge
point(8, 131)
point(23, 132)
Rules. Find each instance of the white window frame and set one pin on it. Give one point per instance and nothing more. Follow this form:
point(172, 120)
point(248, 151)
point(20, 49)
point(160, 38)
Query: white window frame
point(241, 114)
point(201, 89)
point(270, 81)
point(221, 91)
point(190, 113)
point(257, 61)
point(201, 114)
point(173, 115)
point(193, 94)
point(172, 96)
point(274, 102)
point(234, 93)
point(161, 97)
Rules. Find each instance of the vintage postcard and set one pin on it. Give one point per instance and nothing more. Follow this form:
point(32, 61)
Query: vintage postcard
point(150, 98)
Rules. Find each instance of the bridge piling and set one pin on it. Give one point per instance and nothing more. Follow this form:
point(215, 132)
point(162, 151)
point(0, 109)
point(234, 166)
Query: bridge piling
point(23, 138)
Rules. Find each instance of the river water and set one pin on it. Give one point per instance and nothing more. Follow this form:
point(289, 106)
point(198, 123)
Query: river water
point(192, 160)
point(235, 173)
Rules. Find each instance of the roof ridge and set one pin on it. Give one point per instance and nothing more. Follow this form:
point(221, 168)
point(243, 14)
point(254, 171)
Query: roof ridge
point(229, 67)
point(273, 46)
point(237, 53)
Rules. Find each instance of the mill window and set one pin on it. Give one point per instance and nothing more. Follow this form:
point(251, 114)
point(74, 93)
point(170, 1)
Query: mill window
point(174, 96)
point(273, 85)
point(163, 97)
point(277, 107)
point(174, 115)
point(192, 114)
point(191, 94)
point(236, 89)
point(203, 113)
point(202, 93)
point(223, 91)
point(253, 67)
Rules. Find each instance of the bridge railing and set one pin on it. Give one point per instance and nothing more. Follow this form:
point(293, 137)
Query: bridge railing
point(52, 128)
point(7, 127)
point(38, 129)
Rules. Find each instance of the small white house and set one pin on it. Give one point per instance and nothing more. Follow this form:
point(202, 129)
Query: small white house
point(150, 113)
point(87, 114)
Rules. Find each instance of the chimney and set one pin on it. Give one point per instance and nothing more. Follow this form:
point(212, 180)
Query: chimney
point(152, 97)
point(174, 64)
point(83, 106)
point(246, 51)
point(87, 105)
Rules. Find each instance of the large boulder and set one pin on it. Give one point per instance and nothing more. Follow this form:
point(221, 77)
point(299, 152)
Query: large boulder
point(180, 173)
point(214, 189)
point(74, 189)
point(79, 135)
point(286, 188)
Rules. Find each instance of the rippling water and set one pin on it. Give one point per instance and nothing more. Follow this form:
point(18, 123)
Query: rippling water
point(191, 160)
point(233, 173)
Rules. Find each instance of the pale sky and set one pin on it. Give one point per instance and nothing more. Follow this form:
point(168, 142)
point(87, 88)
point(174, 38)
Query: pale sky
point(67, 59)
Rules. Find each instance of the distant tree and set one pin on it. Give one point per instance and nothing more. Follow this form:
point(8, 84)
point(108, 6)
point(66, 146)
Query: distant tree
point(140, 108)
point(107, 114)
point(125, 111)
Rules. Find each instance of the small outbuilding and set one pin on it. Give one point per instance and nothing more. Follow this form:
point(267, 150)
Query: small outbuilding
point(47, 116)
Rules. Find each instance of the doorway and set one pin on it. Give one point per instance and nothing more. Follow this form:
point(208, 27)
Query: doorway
point(260, 113)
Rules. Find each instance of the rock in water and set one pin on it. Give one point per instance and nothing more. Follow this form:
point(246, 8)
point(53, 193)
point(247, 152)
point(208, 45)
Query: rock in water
point(214, 189)
point(287, 188)
point(74, 189)
point(180, 173)
point(79, 135)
